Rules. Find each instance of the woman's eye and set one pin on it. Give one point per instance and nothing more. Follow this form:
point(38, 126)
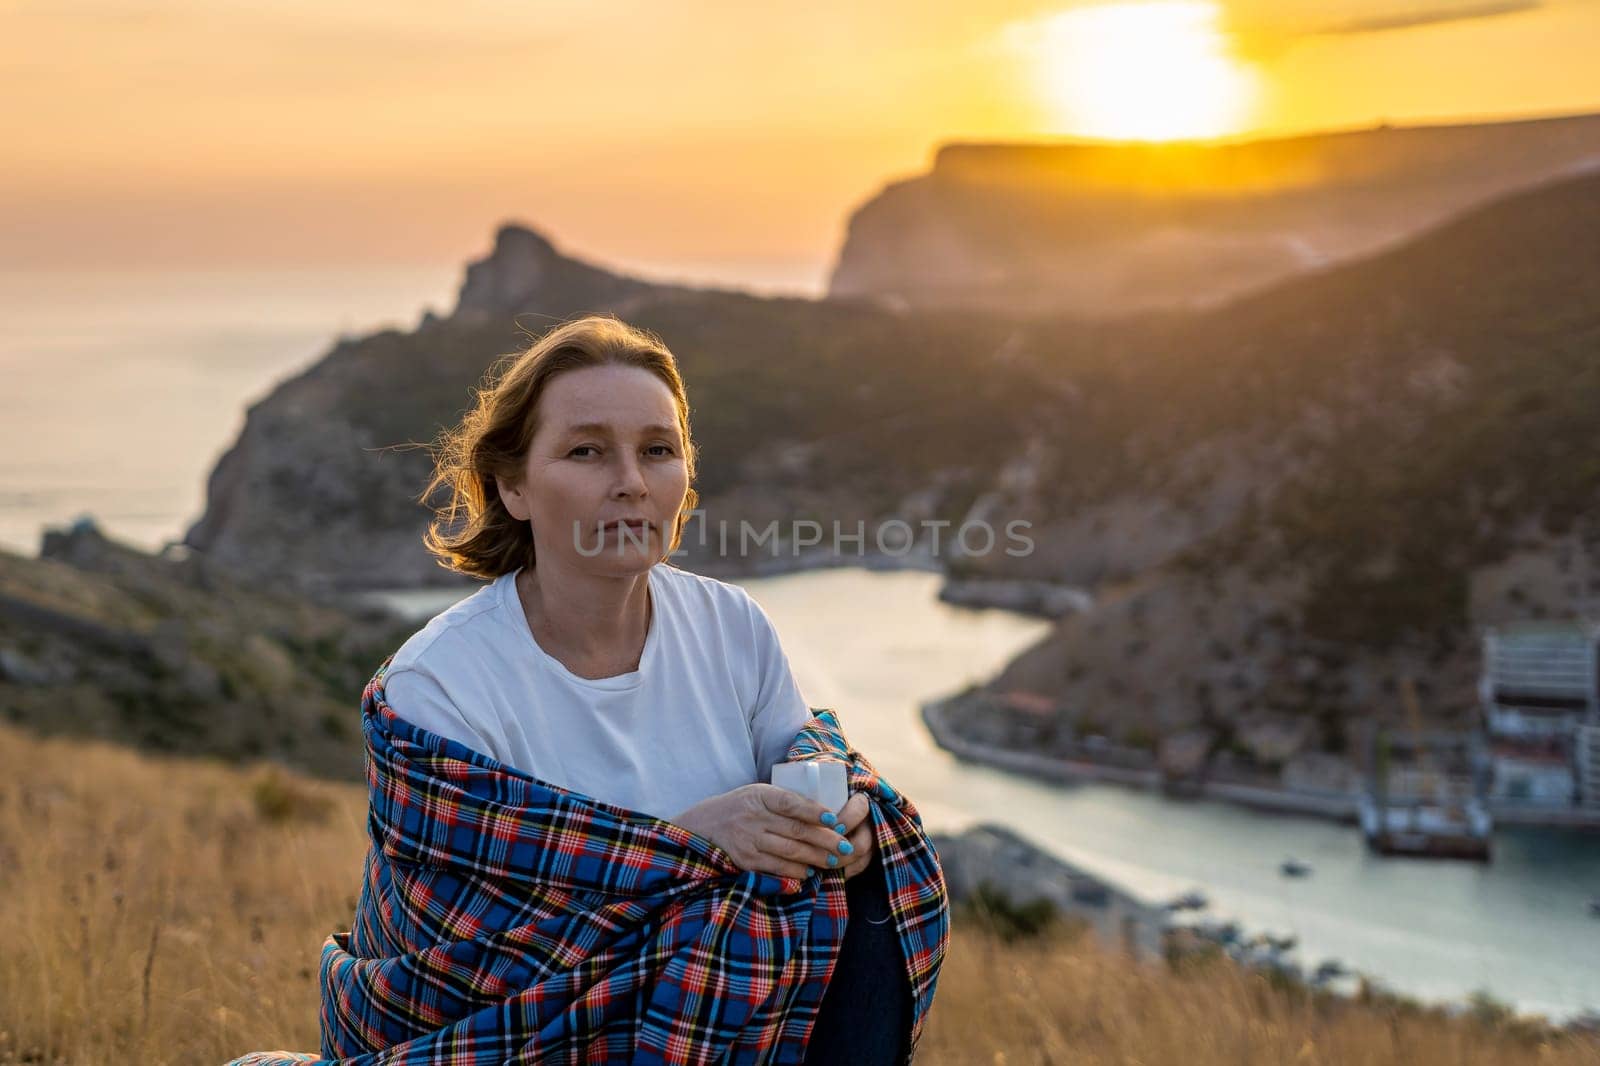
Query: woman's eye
point(585, 448)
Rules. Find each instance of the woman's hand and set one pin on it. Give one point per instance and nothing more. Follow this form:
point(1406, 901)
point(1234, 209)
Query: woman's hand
point(774, 830)
point(858, 830)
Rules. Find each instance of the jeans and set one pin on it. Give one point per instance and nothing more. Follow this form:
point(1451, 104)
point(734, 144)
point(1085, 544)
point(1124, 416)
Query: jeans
point(866, 1012)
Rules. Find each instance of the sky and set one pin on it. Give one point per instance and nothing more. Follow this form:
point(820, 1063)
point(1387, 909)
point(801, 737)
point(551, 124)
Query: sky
point(696, 139)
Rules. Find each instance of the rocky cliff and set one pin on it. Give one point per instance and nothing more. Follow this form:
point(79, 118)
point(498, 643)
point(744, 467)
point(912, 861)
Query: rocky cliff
point(1283, 503)
point(1107, 229)
point(321, 488)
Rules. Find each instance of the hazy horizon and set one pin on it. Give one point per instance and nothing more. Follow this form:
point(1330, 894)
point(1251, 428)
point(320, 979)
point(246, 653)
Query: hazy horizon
point(692, 142)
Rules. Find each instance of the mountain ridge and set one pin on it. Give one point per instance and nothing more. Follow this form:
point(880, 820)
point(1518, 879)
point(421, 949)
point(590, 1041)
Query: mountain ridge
point(1107, 228)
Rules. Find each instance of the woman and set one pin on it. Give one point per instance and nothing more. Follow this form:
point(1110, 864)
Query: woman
point(591, 662)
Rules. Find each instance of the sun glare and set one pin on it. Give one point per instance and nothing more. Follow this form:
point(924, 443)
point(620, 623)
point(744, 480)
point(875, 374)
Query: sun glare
point(1141, 71)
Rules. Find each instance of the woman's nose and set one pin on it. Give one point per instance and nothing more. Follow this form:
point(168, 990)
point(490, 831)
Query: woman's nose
point(630, 478)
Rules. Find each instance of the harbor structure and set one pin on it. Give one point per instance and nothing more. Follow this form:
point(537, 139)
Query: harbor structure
point(1540, 694)
point(1426, 790)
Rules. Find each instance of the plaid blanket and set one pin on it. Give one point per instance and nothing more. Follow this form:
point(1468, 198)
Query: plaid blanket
point(505, 919)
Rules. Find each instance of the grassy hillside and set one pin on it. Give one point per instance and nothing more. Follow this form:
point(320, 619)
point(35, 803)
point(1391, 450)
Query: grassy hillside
point(169, 911)
point(100, 639)
point(1366, 467)
point(1407, 418)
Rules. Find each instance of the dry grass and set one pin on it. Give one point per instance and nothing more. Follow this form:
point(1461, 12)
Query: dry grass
point(172, 911)
point(1061, 1001)
point(165, 910)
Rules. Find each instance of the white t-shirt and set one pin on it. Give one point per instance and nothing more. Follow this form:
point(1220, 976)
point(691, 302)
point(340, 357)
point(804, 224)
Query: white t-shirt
point(711, 707)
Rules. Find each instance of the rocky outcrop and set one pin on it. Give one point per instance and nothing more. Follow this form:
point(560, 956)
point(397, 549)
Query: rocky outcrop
point(1050, 599)
point(171, 653)
point(321, 488)
point(1097, 229)
point(1008, 867)
point(525, 268)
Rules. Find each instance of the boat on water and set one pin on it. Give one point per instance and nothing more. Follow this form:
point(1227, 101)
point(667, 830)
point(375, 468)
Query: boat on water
point(1448, 831)
point(1426, 790)
point(1293, 867)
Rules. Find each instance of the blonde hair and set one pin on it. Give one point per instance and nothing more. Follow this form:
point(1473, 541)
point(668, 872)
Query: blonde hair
point(493, 439)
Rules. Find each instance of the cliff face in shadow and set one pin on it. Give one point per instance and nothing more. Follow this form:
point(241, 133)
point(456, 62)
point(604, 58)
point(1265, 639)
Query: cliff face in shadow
point(1109, 229)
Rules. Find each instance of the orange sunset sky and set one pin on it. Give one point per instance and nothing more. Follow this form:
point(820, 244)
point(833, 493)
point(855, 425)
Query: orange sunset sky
point(667, 137)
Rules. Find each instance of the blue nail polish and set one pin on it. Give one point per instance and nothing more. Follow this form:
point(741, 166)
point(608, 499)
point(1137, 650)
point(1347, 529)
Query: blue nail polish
point(828, 818)
point(833, 860)
point(809, 871)
point(846, 847)
point(840, 827)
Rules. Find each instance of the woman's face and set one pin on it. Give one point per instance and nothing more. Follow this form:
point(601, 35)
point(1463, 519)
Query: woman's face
point(607, 447)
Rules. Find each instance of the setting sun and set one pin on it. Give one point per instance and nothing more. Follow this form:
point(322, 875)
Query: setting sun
point(1142, 71)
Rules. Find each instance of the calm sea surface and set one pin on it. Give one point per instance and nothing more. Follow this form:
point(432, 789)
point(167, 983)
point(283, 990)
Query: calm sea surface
point(121, 391)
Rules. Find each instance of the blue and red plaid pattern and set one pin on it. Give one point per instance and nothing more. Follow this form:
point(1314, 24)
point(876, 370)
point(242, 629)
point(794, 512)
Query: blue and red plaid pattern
point(504, 919)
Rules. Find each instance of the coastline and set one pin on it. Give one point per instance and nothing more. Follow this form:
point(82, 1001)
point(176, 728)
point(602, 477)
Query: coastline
point(995, 858)
point(1023, 873)
point(1340, 807)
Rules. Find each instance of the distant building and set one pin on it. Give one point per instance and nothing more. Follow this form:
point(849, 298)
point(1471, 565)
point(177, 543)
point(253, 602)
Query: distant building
point(1533, 772)
point(1540, 691)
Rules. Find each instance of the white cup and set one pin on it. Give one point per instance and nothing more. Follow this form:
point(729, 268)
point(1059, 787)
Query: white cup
point(824, 780)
